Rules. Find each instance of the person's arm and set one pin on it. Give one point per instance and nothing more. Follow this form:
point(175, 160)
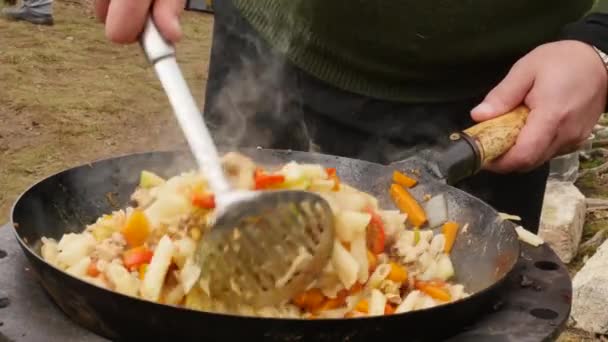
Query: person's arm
point(564, 83)
point(591, 29)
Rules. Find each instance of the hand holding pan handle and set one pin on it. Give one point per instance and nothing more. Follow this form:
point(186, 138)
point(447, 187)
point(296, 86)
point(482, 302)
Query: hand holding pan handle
point(495, 137)
point(478, 145)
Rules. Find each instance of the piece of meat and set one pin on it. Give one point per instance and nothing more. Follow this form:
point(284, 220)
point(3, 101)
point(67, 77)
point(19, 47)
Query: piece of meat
point(239, 170)
point(110, 248)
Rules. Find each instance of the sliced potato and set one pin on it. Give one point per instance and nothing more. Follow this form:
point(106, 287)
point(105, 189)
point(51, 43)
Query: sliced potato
point(157, 269)
point(350, 224)
point(149, 179)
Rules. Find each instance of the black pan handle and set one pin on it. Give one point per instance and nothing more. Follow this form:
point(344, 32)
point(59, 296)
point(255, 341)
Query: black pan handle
point(473, 148)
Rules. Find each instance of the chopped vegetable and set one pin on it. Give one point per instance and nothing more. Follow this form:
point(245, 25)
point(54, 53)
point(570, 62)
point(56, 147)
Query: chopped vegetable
point(528, 237)
point(407, 204)
point(331, 173)
point(157, 270)
point(265, 181)
point(149, 180)
point(449, 230)
point(333, 303)
point(189, 274)
point(204, 201)
point(398, 273)
point(375, 233)
point(377, 302)
point(136, 256)
point(355, 289)
point(389, 309)
point(346, 266)
point(403, 180)
point(121, 279)
point(92, 270)
point(416, 236)
point(372, 261)
point(195, 234)
point(102, 230)
point(310, 300)
point(433, 291)
point(73, 247)
point(510, 217)
point(362, 306)
point(136, 229)
point(350, 224)
point(444, 269)
point(142, 271)
point(436, 209)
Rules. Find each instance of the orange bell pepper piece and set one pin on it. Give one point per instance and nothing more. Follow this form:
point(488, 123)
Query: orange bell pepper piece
point(136, 229)
point(398, 273)
point(450, 230)
point(407, 204)
point(310, 300)
point(362, 306)
point(434, 291)
point(403, 180)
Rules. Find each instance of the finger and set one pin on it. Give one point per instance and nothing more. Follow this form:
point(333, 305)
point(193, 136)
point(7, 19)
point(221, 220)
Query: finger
point(125, 20)
point(532, 144)
point(508, 94)
point(101, 9)
point(166, 16)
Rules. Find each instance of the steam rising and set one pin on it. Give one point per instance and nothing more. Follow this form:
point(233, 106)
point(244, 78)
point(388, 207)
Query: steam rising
point(253, 92)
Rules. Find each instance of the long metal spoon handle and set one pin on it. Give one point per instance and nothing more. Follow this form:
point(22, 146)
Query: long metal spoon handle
point(161, 54)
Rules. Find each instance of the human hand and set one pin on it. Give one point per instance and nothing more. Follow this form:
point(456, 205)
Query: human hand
point(125, 19)
point(565, 86)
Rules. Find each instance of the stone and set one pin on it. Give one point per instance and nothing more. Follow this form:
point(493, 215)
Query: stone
point(562, 218)
point(564, 168)
point(590, 293)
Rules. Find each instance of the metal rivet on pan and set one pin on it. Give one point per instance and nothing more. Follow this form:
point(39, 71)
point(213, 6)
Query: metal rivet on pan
point(544, 313)
point(546, 265)
point(454, 136)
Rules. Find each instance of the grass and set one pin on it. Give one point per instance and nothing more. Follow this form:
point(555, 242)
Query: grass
point(69, 96)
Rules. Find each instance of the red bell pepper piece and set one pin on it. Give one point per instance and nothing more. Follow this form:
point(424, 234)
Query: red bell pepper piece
point(136, 256)
point(205, 201)
point(375, 233)
point(331, 173)
point(265, 181)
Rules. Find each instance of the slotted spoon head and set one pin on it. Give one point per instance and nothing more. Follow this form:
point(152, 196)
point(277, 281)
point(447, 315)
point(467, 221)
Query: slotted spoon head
point(266, 247)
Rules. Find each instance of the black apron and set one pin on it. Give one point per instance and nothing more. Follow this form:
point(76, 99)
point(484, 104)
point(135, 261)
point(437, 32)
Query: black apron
point(255, 97)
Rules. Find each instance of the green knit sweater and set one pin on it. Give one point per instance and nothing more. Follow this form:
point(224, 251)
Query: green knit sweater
point(409, 50)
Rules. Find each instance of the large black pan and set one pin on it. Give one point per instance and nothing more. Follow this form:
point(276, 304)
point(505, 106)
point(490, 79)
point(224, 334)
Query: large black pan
point(65, 202)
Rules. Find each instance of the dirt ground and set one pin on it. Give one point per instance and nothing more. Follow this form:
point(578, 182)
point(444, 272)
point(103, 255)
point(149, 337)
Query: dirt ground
point(68, 96)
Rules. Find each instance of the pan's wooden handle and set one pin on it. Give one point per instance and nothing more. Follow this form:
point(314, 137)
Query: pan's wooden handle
point(496, 136)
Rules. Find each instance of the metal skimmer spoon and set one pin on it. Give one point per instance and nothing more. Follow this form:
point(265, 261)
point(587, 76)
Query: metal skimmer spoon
point(264, 247)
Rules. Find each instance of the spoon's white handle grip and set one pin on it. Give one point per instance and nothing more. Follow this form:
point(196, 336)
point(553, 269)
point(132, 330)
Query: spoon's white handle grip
point(153, 43)
point(162, 55)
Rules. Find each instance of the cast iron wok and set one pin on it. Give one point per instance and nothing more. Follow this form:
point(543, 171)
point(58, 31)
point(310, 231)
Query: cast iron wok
point(483, 255)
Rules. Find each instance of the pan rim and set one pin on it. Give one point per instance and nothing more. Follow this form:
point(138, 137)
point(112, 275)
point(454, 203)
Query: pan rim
point(28, 249)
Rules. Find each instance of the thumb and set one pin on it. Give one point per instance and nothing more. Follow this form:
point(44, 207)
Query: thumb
point(508, 94)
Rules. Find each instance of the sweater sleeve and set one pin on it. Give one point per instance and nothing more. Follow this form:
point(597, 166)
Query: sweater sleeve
point(591, 29)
